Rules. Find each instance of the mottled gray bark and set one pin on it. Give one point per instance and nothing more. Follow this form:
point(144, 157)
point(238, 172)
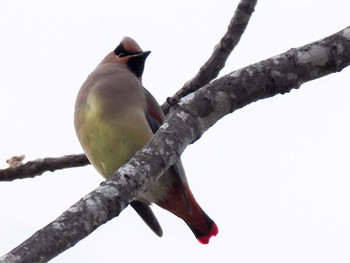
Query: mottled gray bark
point(216, 62)
point(184, 124)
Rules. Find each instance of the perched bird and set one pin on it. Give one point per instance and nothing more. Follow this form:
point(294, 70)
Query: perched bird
point(115, 116)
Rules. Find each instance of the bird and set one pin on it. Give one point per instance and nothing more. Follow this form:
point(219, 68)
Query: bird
point(114, 117)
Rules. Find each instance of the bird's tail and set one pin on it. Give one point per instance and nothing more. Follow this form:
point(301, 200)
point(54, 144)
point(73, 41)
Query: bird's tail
point(203, 235)
point(186, 207)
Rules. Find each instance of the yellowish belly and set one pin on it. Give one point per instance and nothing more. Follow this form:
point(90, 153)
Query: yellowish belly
point(108, 148)
point(109, 142)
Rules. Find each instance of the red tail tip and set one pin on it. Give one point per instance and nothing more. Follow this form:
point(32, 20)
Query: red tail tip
point(213, 232)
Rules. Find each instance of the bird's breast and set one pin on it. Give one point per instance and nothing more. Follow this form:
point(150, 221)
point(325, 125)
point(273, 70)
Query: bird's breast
point(110, 121)
point(108, 140)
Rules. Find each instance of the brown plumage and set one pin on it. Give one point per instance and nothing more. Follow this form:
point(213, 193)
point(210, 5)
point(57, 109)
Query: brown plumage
point(115, 116)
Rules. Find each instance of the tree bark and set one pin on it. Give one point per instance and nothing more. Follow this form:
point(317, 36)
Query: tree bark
point(185, 123)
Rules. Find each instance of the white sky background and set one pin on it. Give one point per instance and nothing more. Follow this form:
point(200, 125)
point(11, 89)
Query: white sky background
point(274, 175)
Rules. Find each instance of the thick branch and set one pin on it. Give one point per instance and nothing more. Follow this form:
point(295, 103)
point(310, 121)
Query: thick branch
point(211, 68)
point(184, 124)
point(39, 166)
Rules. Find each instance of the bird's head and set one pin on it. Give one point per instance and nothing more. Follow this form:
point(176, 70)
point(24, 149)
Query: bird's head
point(130, 53)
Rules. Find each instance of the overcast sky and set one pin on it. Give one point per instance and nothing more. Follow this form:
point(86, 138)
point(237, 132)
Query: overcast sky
point(274, 175)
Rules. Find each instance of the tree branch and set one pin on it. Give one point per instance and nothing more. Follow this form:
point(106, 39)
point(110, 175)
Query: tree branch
point(185, 123)
point(39, 166)
point(207, 73)
point(211, 68)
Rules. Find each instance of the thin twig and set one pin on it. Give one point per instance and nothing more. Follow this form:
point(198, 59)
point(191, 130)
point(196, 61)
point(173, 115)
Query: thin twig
point(210, 70)
point(39, 166)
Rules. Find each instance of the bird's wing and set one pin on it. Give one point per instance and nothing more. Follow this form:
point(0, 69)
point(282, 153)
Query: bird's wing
point(146, 213)
point(155, 117)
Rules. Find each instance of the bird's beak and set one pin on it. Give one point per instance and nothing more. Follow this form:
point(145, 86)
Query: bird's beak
point(143, 55)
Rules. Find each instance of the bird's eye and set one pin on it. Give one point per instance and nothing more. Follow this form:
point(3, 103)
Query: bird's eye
point(121, 55)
